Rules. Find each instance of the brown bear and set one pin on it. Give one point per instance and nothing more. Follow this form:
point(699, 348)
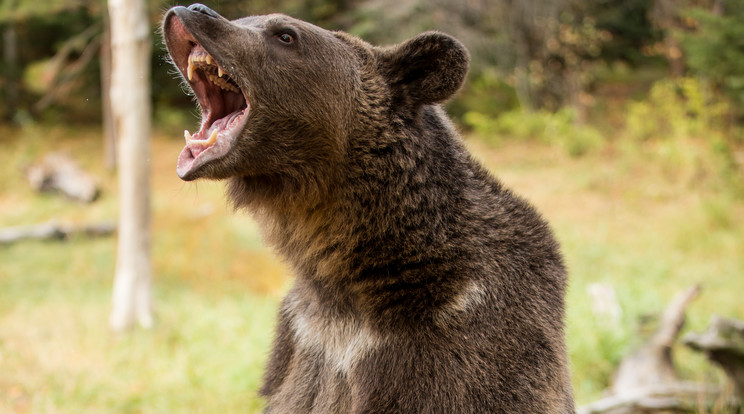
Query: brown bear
point(422, 284)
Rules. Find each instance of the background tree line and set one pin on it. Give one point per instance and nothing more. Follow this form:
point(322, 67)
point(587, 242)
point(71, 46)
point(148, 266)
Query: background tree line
point(536, 55)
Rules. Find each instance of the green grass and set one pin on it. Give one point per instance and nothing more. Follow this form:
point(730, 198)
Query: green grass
point(646, 223)
point(205, 355)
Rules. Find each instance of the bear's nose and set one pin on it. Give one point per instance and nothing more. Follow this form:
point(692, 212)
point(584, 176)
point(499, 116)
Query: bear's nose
point(200, 8)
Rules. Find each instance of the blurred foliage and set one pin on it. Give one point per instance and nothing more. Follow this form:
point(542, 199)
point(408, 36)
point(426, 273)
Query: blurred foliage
point(541, 69)
point(627, 21)
point(19, 10)
point(558, 128)
point(678, 108)
point(677, 114)
point(714, 47)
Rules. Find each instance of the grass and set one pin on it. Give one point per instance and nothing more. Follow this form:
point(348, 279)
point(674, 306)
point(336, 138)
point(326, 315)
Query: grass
point(640, 220)
point(216, 289)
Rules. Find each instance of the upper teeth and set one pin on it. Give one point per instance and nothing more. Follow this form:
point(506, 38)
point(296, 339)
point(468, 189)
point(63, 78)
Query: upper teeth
point(201, 59)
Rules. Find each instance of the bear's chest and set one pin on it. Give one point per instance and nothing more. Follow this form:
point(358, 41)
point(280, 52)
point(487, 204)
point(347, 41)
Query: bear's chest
point(339, 340)
point(328, 346)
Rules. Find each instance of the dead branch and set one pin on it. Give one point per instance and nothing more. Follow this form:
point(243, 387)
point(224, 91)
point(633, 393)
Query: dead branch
point(55, 231)
point(64, 76)
point(677, 397)
point(647, 382)
point(723, 343)
point(651, 365)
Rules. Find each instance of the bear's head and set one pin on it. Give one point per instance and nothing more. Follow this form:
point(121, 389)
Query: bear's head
point(279, 96)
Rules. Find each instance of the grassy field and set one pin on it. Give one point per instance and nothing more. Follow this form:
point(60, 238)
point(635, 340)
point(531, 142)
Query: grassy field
point(647, 220)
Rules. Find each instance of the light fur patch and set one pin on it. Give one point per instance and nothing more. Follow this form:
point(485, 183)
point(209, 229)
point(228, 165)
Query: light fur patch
point(469, 297)
point(342, 341)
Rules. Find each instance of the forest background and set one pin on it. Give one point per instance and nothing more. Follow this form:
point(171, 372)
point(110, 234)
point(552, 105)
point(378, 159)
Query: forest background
point(620, 119)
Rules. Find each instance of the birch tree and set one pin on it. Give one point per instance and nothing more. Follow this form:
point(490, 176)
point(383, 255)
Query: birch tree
point(130, 104)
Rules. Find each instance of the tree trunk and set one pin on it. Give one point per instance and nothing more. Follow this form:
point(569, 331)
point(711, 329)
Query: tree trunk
point(518, 12)
point(10, 56)
point(109, 134)
point(664, 15)
point(130, 98)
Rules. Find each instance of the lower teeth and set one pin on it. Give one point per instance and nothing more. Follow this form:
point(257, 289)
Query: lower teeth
point(223, 84)
point(204, 143)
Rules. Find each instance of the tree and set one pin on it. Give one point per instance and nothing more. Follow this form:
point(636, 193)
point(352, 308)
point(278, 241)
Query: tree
point(665, 15)
point(130, 97)
point(10, 57)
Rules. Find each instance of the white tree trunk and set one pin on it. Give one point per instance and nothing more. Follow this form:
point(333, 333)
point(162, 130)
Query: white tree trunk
point(130, 104)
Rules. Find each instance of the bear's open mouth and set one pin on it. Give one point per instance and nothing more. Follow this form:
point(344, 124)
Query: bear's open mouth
point(224, 104)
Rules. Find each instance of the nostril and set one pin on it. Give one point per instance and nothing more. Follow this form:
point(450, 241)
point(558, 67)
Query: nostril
point(200, 8)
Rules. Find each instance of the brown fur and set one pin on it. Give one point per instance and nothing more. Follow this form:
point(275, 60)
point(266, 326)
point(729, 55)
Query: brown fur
point(423, 285)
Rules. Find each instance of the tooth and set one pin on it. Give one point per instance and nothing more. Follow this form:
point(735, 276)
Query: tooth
point(223, 84)
point(219, 71)
point(212, 138)
point(190, 71)
point(187, 136)
point(214, 79)
point(209, 59)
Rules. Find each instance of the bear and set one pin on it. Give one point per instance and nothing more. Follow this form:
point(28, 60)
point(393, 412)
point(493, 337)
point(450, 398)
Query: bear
point(422, 284)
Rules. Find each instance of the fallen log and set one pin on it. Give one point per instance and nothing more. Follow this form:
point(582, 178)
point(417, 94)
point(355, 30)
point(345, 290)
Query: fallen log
point(647, 381)
point(59, 173)
point(677, 397)
point(651, 365)
point(55, 231)
point(723, 343)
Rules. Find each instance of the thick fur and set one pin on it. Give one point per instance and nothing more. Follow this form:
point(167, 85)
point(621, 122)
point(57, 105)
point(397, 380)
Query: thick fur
point(422, 284)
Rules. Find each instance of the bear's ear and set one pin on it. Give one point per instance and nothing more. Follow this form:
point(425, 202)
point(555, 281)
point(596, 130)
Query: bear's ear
point(426, 69)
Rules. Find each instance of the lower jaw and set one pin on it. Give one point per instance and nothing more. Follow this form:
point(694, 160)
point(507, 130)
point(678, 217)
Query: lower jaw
point(210, 144)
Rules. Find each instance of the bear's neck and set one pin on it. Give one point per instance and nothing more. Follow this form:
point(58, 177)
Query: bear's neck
point(396, 199)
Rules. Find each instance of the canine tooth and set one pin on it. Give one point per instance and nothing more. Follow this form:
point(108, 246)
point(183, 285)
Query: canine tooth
point(219, 71)
point(187, 136)
point(190, 71)
point(212, 138)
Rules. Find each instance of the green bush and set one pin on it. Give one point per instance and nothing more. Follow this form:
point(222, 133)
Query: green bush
point(555, 128)
point(677, 108)
point(687, 127)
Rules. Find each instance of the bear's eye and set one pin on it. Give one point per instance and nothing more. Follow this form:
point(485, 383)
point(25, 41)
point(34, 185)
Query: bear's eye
point(286, 38)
